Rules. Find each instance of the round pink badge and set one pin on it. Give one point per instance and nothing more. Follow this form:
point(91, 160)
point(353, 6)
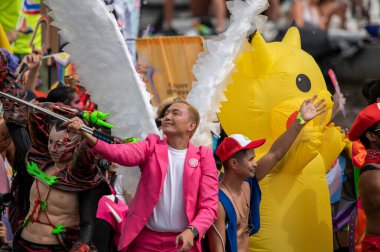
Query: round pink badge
point(193, 162)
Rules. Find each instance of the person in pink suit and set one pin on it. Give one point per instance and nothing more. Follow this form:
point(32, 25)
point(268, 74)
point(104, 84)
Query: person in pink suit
point(177, 196)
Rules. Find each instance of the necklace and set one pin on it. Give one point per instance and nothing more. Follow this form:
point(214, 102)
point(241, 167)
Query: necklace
point(244, 220)
point(245, 198)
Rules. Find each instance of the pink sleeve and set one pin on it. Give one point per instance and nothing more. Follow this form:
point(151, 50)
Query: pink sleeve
point(208, 195)
point(131, 154)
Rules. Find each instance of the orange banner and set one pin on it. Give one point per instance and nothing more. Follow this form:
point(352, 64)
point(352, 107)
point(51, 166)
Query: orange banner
point(166, 64)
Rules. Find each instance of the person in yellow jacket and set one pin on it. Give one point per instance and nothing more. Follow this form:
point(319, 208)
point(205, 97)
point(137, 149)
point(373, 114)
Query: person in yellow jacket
point(18, 18)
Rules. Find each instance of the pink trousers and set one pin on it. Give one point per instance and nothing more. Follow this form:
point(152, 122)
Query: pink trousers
point(149, 240)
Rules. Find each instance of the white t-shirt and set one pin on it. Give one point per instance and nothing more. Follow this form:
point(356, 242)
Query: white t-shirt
point(169, 214)
point(119, 187)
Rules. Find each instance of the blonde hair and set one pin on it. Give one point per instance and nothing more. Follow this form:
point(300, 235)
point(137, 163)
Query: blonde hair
point(164, 106)
point(193, 112)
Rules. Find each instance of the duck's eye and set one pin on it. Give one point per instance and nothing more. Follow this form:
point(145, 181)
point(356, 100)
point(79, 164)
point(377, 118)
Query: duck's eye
point(303, 83)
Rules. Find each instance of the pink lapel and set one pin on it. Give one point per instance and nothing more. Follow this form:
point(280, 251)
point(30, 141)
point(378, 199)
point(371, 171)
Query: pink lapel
point(192, 162)
point(163, 159)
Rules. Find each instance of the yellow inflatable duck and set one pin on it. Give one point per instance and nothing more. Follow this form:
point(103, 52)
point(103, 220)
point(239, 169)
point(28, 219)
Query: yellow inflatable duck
point(266, 90)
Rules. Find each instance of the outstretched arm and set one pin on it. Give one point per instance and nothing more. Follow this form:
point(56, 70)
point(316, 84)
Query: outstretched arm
point(74, 125)
point(34, 62)
point(129, 155)
point(308, 111)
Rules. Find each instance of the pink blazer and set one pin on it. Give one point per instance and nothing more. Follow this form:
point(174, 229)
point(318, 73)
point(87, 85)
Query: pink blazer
point(200, 183)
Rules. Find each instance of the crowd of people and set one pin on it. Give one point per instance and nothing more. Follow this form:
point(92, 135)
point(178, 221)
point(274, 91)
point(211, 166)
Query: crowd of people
point(58, 185)
point(321, 14)
point(71, 204)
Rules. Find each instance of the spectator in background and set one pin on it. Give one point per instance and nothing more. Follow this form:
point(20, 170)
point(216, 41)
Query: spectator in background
point(200, 8)
point(65, 95)
point(308, 13)
point(19, 19)
point(371, 91)
point(167, 25)
point(274, 11)
point(128, 17)
point(33, 62)
point(318, 14)
point(334, 13)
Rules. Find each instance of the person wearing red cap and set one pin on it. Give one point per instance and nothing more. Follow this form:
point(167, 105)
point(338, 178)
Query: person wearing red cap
point(366, 128)
point(239, 192)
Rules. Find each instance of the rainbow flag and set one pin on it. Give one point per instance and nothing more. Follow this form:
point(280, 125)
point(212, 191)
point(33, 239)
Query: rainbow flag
point(42, 20)
point(63, 71)
point(62, 58)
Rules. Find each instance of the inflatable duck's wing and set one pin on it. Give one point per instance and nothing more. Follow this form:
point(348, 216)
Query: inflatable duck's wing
point(332, 145)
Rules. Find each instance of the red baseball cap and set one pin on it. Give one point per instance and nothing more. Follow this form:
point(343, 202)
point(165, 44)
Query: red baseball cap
point(235, 143)
point(365, 119)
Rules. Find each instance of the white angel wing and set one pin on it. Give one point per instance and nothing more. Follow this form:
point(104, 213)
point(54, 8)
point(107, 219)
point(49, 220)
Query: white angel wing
point(104, 64)
point(214, 66)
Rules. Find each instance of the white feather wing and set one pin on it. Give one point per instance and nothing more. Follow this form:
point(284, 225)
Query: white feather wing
point(102, 60)
point(214, 66)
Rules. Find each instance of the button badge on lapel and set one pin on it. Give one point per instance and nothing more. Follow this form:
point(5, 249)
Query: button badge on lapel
point(193, 162)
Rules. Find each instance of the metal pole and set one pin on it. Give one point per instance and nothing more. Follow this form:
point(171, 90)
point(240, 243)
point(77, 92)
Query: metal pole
point(96, 133)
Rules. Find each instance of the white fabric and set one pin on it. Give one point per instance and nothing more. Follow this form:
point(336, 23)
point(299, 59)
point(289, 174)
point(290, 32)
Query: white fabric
point(104, 64)
point(119, 187)
point(128, 181)
point(214, 66)
point(241, 139)
point(334, 178)
point(169, 214)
